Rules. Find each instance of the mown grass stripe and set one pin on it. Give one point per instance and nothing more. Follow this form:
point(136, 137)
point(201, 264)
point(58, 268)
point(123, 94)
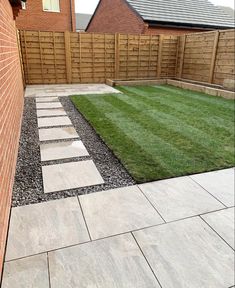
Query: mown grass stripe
point(184, 112)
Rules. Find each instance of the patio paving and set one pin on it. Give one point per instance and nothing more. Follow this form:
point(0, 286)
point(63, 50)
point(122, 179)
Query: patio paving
point(51, 112)
point(54, 121)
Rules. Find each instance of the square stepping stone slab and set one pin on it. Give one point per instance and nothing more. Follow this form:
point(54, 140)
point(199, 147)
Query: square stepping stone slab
point(70, 175)
point(118, 211)
point(27, 272)
point(54, 121)
point(219, 183)
point(223, 223)
point(62, 150)
point(46, 226)
point(47, 99)
point(57, 133)
point(49, 105)
point(187, 253)
point(51, 112)
point(179, 198)
point(113, 262)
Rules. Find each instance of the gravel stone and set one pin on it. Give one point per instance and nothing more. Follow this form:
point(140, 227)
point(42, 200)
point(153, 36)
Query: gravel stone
point(28, 186)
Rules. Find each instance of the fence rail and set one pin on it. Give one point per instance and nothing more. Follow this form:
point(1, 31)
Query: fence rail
point(65, 57)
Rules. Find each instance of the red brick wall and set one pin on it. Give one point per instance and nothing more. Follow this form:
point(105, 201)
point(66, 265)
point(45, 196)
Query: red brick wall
point(116, 16)
point(11, 107)
point(171, 31)
point(34, 18)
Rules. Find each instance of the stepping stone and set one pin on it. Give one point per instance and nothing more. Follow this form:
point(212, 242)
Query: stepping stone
point(187, 253)
point(57, 133)
point(223, 223)
point(62, 150)
point(113, 262)
point(46, 226)
point(27, 272)
point(54, 121)
point(118, 211)
point(49, 105)
point(47, 99)
point(51, 112)
point(219, 183)
point(71, 175)
point(179, 198)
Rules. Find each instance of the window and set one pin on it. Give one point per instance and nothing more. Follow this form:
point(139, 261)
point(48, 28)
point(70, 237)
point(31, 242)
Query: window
point(51, 5)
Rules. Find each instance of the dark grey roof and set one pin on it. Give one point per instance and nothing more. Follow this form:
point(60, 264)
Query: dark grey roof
point(82, 21)
point(191, 12)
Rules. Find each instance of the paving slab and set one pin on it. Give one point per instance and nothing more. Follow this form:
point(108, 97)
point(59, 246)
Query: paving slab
point(218, 183)
point(108, 263)
point(27, 272)
point(47, 99)
point(187, 253)
point(70, 176)
point(179, 198)
point(223, 223)
point(48, 105)
point(67, 90)
point(46, 226)
point(54, 121)
point(62, 150)
point(117, 211)
point(57, 133)
point(51, 112)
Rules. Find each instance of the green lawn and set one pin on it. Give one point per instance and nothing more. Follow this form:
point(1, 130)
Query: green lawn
point(160, 132)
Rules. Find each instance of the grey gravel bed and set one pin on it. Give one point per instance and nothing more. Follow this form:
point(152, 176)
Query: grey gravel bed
point(28, 186)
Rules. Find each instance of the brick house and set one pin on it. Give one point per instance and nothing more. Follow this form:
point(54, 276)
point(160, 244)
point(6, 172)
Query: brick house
point(11, 107)
point(158, 17)
point(47, 15)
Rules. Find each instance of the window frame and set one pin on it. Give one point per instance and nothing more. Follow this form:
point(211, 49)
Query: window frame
point(51, 11)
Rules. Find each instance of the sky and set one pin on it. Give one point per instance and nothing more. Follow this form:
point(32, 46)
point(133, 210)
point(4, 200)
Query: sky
point(88, 6)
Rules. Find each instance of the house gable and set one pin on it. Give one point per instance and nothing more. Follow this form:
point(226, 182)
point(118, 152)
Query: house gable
point(116, 16)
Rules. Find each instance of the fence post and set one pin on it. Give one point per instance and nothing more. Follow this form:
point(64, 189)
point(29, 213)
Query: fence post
point(159, 59)
point(182, 57)
point(117, 48)
point(68, 56)
point(213, 58)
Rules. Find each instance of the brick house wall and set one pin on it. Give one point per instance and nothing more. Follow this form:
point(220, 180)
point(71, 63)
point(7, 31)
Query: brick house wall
point(11, 107)
point(34, 18)
point(116, 16)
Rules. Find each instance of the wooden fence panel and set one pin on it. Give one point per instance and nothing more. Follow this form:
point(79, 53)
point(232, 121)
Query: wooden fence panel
point(207, 56)
point(50, 57)
point(65, 57)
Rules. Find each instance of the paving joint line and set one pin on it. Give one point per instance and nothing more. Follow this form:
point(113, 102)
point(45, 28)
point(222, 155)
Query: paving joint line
point(48, 269)
point(190, 176)
point(146, 259)
point(217, 233)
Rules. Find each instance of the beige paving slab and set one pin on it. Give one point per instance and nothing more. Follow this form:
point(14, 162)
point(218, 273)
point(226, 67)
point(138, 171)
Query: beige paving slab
point(46, 226)
point(70, 176)
point(179, 198)
point(62, 150)
point(26, 272)
point(51, 112)
point(67, 90)
point(223, 223)
point(48, 105)
point(54, 121)
point(218, 183)
point(187, 253)
point(108, 263)
point(47, 99)
point(117, 211)
point(57, 133)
